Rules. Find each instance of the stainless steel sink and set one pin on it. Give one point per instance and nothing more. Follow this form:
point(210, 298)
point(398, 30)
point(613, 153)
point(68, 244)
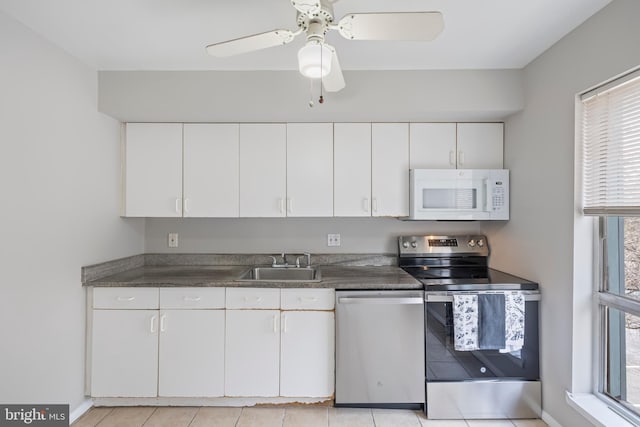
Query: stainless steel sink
point(271, 274)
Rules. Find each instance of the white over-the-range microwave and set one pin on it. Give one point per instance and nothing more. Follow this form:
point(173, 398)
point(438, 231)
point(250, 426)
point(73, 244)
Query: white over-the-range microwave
point(459, 194)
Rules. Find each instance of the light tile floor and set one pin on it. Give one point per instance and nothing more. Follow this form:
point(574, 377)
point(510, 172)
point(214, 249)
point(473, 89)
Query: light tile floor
point(279, 416)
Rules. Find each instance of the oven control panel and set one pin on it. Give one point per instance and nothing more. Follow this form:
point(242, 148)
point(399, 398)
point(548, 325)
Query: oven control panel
point(473, 244)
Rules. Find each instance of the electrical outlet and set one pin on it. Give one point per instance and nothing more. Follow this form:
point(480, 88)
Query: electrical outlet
point(333, 240)
point(172, 240)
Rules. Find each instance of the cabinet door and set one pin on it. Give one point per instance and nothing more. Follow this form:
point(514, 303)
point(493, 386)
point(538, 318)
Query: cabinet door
point(211, 170)
point(352, 169)
point(124, 353)
point(153, 170)
point(432, 145)
point(390, 169)
point(252, 353)
point(307, 354)
point(191, 356)
point(263, 175)
point(480, 145)
point(310, 169)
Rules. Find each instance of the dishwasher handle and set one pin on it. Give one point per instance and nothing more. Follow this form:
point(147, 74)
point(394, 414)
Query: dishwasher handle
point(381, 300)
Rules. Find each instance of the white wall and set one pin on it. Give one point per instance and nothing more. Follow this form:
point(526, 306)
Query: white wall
point(59, 168)
point(267, 96)
point(275, 235)
point(538, 242)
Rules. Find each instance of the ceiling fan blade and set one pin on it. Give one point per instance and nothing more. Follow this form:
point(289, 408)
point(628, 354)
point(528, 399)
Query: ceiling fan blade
point(391, 26)
point(334, 81)
point(250, 43)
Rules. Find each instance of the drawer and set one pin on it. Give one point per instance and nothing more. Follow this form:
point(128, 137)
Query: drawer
point(308, 299)
point(125, 298)
point(253, 298)
point(177, 298)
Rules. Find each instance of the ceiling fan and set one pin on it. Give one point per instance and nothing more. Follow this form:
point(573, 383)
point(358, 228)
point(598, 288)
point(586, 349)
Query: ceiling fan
point(317, 59)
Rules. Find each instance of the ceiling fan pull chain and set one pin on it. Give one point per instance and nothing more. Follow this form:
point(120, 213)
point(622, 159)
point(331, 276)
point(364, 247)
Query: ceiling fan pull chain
point(321, 99)
point(310, 93)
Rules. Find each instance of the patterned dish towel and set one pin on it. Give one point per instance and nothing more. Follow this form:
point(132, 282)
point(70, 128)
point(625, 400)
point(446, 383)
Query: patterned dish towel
point(514, 321)
point(465, 322)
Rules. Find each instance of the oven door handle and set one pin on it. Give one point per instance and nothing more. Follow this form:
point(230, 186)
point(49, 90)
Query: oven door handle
point(449, 297)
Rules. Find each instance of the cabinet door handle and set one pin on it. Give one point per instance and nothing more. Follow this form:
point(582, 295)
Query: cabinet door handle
point(192, 299)
point(178, 205)
point(375, 204)
point(187, 202)
point(152, 326)
point(284, 323)
point(125, 298)
point(281, 204)
point(275, 323)
point(289, 205)
point(452, 158)
point(461, 157)
point(365, 204)
point(162, 322)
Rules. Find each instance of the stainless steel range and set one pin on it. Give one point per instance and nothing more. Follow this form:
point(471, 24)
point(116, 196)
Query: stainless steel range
point(468, 375)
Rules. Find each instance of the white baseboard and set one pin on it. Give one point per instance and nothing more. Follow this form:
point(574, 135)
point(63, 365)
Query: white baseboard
point(551, 422)
point(80, 410)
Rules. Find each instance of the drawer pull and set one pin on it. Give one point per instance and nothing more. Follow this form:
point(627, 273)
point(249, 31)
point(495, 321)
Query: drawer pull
point(192, 299)
point(256, 299)
point(125, 298)
point(307, 299)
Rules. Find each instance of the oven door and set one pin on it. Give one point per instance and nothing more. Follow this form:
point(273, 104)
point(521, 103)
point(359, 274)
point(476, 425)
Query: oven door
point(445, 364)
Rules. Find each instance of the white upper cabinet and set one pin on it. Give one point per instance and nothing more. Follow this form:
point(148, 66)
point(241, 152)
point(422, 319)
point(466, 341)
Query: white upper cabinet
point(153, 170)
point(432, 145)
point(309, 169)
point(211, 170)
point(263, 174)
point(480, 145)
point(390, 169)
point(352, 169)
point(456, 145)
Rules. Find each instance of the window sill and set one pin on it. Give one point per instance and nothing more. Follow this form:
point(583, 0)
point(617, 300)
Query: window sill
point(595, 410)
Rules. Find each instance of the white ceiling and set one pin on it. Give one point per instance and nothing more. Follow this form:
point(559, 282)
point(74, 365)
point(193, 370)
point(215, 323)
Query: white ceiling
point(172, 34)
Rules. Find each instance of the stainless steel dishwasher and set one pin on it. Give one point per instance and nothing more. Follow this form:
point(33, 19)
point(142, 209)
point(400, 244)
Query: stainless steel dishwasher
point(380, 349)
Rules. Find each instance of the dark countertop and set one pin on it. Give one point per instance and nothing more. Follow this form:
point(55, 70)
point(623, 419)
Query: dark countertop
point(336, 277)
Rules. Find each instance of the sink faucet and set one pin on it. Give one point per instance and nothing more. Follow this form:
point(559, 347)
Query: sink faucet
point(275, 261)
point(308, 256)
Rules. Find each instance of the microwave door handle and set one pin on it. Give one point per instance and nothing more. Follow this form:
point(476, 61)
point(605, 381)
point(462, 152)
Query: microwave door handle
point(488, 191)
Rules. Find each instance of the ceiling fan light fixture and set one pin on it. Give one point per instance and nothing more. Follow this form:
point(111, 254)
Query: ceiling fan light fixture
point(314, 60)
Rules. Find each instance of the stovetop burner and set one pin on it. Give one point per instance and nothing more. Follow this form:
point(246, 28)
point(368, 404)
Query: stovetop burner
point(455, 263)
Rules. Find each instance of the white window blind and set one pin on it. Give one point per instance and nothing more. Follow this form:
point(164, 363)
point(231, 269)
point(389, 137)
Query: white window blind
point(611, 148)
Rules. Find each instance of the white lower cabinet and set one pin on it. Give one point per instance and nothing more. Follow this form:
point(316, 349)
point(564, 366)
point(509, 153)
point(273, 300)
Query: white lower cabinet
point(141, 351)
point(191, 353)
point(212, 342)
point(124, 353)
point(307, 354)
point(252, 351)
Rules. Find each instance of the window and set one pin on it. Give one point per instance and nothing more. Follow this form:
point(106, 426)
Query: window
point(611, 191)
